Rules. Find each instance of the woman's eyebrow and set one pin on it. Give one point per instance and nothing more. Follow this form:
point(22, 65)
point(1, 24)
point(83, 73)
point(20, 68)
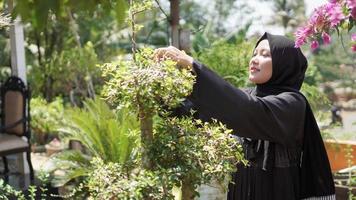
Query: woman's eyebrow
point(263, 49)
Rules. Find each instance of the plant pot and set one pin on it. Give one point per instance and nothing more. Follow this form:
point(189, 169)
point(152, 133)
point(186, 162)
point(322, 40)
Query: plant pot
point(342, 192)
point(53, 147)
point(337, 153)
point(52, 150)
point(36, 148)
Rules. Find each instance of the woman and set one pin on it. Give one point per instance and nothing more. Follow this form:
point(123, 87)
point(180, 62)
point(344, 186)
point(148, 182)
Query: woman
point(274, 122)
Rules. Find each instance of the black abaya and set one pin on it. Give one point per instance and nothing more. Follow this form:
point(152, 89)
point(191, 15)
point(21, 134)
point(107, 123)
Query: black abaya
point(281, 139)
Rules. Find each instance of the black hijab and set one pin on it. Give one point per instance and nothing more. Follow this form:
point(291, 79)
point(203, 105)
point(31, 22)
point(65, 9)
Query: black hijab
point(289, 66)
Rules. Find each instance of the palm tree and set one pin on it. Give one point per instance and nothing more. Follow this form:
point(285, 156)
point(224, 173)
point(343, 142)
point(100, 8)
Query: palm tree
point(108, 135)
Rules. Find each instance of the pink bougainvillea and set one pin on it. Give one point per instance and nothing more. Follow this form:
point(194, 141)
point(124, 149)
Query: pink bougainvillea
point(352, 5)
point(314, 44)
point(353, 40)
point(334, 13)
point(326, 38)
point(326, 18)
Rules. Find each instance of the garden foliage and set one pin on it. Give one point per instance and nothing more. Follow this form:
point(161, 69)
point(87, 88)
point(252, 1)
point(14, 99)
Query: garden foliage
point(46, 118)
point(106, 134)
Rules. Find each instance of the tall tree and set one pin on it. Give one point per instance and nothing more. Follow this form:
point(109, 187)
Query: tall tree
point(56, 26)
point(174, 22)
point(212, 19)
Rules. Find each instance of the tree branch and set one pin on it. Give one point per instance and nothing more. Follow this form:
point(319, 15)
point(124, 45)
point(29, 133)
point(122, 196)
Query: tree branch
point(160, 7)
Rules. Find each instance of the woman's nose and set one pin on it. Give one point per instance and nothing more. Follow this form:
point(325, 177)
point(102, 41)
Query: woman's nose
point(254, 60)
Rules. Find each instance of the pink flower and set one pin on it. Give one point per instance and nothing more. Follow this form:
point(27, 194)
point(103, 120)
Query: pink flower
point(318, 20)
point(353, 13)
point(351, 3)
point(298, 43)
point(324, 19)
point(326, 38)
point(334, 13)
point(314, 45)
point(353, 48)
point(353, 39)
point(302, 34)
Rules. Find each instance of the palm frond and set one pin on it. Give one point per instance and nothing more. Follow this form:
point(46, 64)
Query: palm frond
point(62, 180)
point(73, 163)
point(111, 136)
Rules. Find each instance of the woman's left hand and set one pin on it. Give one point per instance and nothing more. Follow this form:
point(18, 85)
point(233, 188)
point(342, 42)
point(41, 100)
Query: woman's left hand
point(183, 60)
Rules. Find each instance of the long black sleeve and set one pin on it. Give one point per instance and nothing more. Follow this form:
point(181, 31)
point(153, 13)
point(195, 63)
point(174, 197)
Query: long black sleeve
point(276, 118)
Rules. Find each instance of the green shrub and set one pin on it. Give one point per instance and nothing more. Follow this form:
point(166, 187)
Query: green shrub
point(108, 135)
point(182, 152)
point(110, 181)
point(198, 152)
point(229, 60)
point(46, 118)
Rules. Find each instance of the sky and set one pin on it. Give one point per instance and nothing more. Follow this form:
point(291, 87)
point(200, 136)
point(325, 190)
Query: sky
point(260, 16)
point(312, 4)
point(263, 13)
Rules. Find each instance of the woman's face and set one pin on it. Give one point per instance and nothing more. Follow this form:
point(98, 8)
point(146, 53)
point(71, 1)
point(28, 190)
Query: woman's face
point(260, 67)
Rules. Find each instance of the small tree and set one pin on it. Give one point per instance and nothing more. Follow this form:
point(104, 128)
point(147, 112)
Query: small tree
point(147, 87)
point(173, 151)
point(181, 152)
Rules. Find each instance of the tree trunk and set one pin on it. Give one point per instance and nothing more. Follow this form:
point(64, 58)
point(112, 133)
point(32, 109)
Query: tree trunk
point(146, 124)
point(133, 32)
point(187, 190)
point(75, 31)
point(175, 22)
point(48, 88)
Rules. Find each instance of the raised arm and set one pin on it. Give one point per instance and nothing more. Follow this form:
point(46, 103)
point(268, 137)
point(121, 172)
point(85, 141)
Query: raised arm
point(278, 118)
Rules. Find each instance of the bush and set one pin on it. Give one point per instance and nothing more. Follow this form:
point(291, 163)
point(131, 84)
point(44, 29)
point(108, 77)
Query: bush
point(182, 152)
point(46, 118)
point(229, 60)
point(108, 135)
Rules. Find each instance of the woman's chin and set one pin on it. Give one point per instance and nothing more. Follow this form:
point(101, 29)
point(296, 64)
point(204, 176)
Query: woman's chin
point(252, 79)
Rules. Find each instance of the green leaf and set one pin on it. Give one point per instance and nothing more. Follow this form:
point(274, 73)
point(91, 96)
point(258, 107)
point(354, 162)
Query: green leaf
point(104, 134)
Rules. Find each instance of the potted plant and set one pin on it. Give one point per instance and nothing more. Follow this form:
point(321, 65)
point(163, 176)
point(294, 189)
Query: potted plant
point(45, 120)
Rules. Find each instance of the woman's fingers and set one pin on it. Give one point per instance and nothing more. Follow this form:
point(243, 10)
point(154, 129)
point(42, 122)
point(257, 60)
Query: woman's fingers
point(158, 53)
point(162, 53)
point(171, 55)
point(180, 57)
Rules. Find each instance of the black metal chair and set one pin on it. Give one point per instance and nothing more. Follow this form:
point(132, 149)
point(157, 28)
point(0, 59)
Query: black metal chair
point(15, 132)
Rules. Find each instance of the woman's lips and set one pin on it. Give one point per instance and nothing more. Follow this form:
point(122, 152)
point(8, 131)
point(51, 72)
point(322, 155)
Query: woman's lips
point(254, 69)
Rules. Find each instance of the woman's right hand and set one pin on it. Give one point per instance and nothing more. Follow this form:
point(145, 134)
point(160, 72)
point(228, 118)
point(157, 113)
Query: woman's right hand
point(183, 60)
